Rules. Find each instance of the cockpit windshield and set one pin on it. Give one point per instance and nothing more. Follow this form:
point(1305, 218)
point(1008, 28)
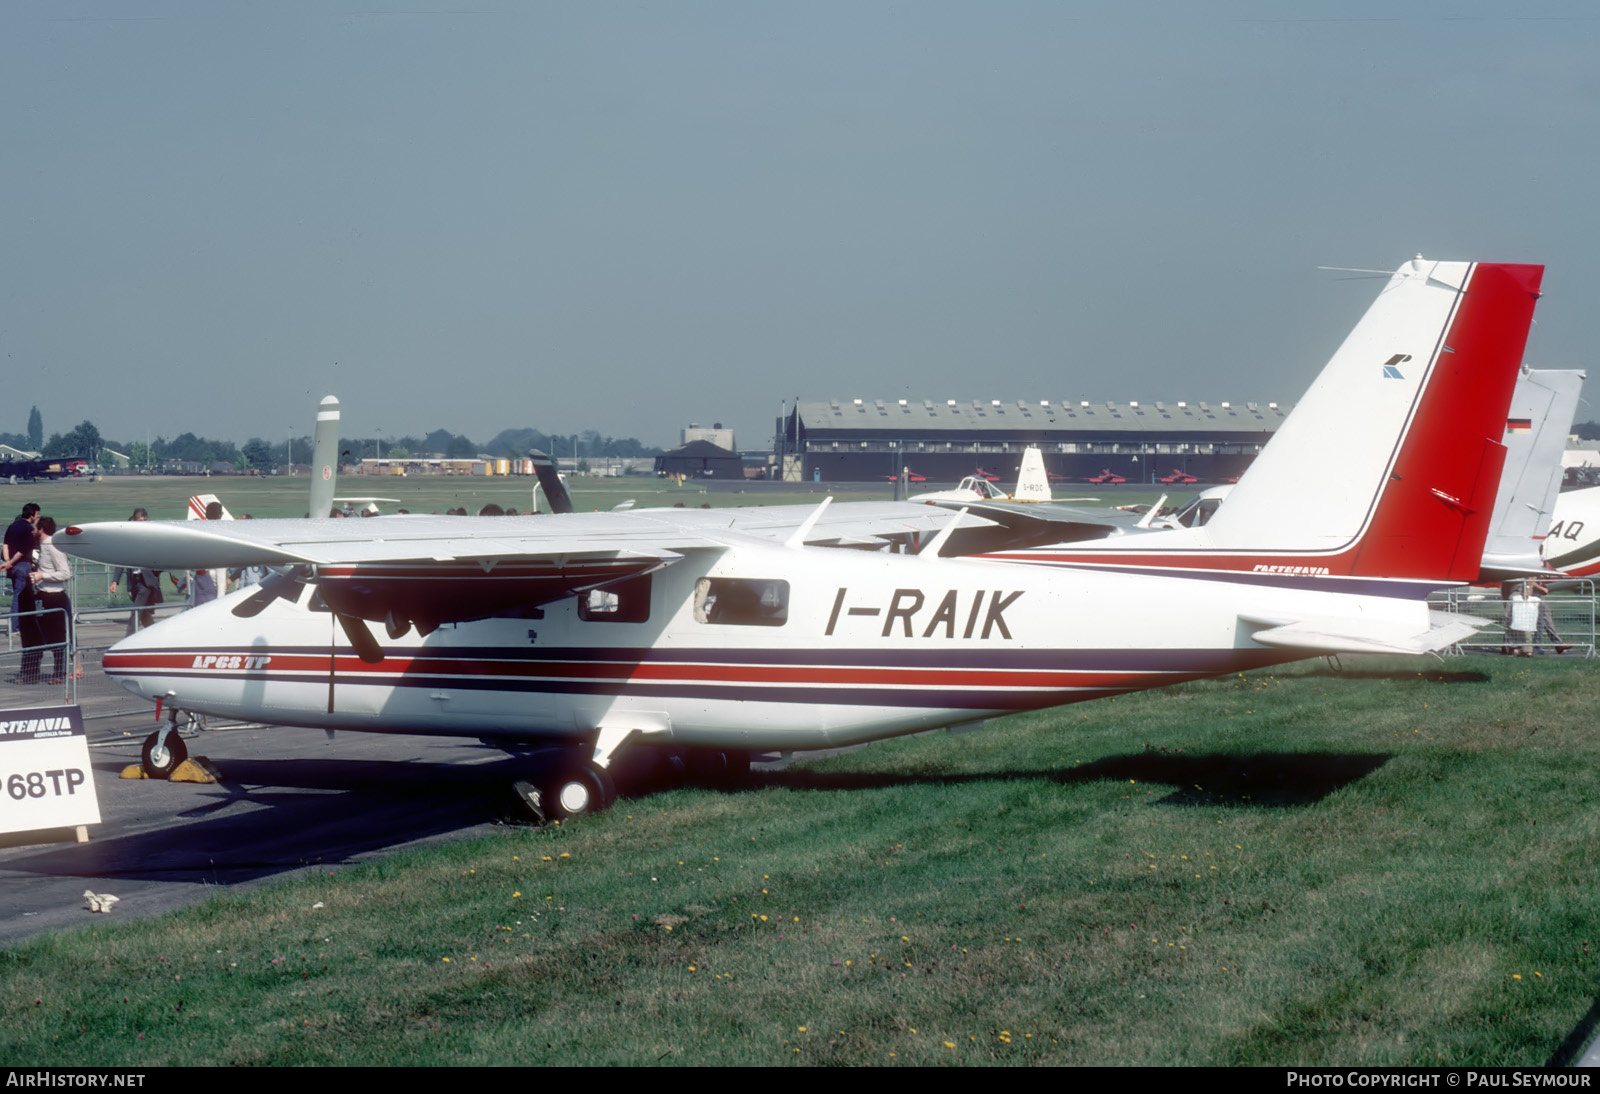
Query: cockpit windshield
point(982, 487)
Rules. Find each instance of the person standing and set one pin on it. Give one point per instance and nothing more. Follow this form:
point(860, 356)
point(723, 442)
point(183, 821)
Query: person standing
point(50, 579)
point(16, 559)
point(1547, 623)
point(144, 588)
point(1524, 621)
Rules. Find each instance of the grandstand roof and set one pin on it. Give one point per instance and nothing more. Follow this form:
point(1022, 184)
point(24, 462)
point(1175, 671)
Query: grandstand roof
point(877, 416)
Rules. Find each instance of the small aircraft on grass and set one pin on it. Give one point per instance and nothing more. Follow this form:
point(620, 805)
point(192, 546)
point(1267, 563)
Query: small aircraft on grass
point(720, 632)
point(1032, 485)
point(47, 468)
point(1029, 515)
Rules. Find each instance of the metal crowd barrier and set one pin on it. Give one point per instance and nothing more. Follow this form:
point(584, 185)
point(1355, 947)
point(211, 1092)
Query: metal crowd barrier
point(99, 620)
point(28, 676)
point(1570, 610)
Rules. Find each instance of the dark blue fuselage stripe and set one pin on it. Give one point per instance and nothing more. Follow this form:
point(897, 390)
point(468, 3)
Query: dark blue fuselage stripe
point(463, 658)
point(944, 698)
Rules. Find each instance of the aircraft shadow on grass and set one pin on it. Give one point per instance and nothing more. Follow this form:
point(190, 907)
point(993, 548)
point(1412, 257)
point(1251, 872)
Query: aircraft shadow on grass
point(1431, 676)
point(1571, 1050)
point(1260, 779)
point(262, 821)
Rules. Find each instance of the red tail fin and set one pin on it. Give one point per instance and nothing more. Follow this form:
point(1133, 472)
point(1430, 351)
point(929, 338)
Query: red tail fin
point(1434, 513)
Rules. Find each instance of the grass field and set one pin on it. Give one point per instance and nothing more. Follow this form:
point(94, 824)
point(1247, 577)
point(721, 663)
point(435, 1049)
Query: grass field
point(1390, 864)
point(75, 501)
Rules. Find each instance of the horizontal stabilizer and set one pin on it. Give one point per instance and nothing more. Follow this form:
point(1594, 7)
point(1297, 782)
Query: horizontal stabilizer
point(1358, 635)
point(1031, 524)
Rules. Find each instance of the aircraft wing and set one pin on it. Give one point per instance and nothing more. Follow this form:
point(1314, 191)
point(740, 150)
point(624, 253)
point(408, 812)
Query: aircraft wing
point(1358, 635)
point(406, 570)
point(174, 545)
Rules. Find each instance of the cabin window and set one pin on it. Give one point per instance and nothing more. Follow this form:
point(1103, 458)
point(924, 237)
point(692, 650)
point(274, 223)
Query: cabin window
point(741, 602)
point(624, 602)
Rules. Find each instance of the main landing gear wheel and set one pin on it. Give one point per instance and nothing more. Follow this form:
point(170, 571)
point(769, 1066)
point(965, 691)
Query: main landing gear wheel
point(710, 767)
point(161, 758)
point(568, 792)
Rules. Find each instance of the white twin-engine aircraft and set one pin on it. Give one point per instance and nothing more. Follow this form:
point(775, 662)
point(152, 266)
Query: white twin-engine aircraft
point(719, 632)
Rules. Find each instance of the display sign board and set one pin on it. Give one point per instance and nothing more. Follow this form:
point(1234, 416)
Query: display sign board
point(45, 778)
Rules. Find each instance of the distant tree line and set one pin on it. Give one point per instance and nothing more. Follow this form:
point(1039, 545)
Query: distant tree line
point(261, 455)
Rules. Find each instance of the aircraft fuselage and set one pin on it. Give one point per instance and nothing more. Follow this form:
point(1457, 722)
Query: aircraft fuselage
point(749, 647)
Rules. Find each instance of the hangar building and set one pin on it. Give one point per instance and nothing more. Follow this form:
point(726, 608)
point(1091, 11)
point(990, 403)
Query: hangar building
point(863, 440)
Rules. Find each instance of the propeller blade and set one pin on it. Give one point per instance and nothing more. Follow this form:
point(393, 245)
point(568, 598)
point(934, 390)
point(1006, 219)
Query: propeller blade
point(555, 491)
point(360, 636)
point(276, 587)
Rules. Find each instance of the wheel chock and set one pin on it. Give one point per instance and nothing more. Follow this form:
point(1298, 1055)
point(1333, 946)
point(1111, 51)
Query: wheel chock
point(196, 769)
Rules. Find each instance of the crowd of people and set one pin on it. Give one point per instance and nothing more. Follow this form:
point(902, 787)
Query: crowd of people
point(40, 609)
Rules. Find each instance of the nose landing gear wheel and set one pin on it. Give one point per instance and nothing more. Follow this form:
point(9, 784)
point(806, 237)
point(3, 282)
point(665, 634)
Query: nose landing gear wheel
point(161, 758)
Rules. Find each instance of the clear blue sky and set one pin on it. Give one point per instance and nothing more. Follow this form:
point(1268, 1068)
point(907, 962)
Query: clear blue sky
point(630, 216)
